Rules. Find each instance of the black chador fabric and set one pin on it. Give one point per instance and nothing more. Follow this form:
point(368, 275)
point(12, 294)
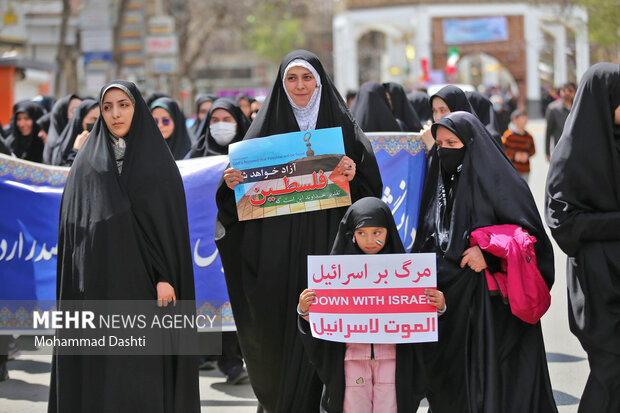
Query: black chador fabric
point(487, 360)
point(119, 235)
point(73, 129)
point(483, 108)
point(152, 97)
point(328, 356)
point(205, 144)
point(421, 104)
point(583, 208)
point(265, 260)
point(44, 122)
point(59, 121)
point(28, 147)
point(200, 99)
point(401, 108)
point(371, 109)
point(179, 142)
point(454, 97)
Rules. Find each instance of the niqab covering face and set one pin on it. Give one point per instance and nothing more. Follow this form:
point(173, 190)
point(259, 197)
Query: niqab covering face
point(28, 147)
point(401, 108)
point(582, 207)
point(371, 109)
point(205, 144)
point(179, 142)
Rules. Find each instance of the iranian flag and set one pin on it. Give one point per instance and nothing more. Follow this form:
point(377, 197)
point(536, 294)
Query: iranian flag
point(453, 58)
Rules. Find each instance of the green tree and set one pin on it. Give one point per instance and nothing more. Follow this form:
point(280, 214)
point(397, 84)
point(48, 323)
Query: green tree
point(603, 26)
point(272, 30)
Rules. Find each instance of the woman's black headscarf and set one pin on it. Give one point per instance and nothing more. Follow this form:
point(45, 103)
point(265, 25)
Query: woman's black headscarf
point(73, 129)
point(583, 207)
point(401, 108)
point(265, 260)
point(44, 122)
point(483, 348)
point(454, 97)
point(119, 235)
point(59, 122)
point(205, 144)
point(200, 99)
point(422, 105)
point(47, 101)
point(483, 108)
point(371, 109)
point(28, 147)
point(328, 356)
point(179, 142)
point(152, 97)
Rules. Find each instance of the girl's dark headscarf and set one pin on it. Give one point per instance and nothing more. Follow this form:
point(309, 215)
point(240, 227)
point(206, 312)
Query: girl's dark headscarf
point(47, 101)
point(401, 108)
point(28, 147)
point(489, 191)
point(59, 121)
point(152, 97)
point(367, 212)
point(179, 142)
point(422, 105)
point(73, 129)
point(205, 144)
point(582, 207)
point(371, 109)
point(200, 99)
point(483, 108)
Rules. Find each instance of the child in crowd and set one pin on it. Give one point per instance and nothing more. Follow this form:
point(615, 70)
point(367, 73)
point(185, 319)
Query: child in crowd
point(519, 144)
point(366, 378)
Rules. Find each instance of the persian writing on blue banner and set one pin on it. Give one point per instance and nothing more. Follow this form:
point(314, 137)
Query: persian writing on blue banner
point(402, 162)
point(290, 173)
point(31, 195)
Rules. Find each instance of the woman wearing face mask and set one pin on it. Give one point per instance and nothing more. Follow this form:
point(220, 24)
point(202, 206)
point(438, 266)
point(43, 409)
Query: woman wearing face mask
point(171, 123)
point(224, 124)
point(76, 132)
point(24, 141)
point(265, 260)
point(487, 360)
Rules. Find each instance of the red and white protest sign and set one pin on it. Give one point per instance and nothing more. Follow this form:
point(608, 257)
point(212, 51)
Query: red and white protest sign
point(373, 298)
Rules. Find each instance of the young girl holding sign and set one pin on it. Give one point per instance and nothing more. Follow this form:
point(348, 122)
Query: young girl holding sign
point(367, 377)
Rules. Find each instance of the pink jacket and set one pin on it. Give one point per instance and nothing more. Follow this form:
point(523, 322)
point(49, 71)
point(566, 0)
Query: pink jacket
point(521, 280)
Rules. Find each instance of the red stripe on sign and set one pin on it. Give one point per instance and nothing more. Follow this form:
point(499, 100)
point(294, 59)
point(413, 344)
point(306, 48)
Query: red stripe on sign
point(371, 301)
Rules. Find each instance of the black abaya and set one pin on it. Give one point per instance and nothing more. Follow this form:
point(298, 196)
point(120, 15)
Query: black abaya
point(265, 260)
point(371, 109)
point(119, 235)
point(179, 142)
point(401, 108)
point(421, 104)
point(328, 356)
point(483, 108)
point(205, 145)
point(487, 360)
point(28, 147)
point(583, 212)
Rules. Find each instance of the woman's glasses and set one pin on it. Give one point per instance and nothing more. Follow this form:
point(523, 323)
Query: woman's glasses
point(165, 121)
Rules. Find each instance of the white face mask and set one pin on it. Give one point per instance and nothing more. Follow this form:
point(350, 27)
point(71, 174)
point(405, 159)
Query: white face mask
point(223, 132)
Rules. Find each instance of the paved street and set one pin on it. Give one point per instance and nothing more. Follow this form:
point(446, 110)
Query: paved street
point(27, 390)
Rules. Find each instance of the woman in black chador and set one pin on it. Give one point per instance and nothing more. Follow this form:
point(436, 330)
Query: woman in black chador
point(265, 260)
point(171, 122)
point(61, 114)
point(583, 212)
point(123, 235)
point(86, 112)
point(486, 360)
point(372, 109)
point(214, 140)
point(402, 108)
point(24, 141)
